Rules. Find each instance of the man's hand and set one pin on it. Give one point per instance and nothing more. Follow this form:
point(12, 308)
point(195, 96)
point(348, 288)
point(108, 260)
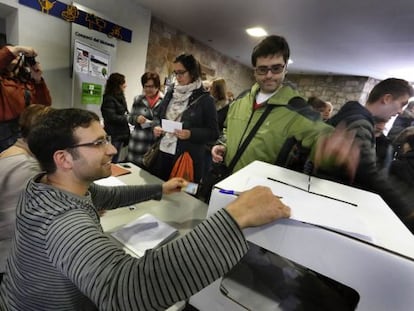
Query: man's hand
point(217, 153)
point(25, 50)
point(340, 149)
point(174, 185)
point(257, 207)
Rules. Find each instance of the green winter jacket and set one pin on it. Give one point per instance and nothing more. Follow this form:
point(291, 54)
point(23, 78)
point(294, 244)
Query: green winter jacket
point(282, 123)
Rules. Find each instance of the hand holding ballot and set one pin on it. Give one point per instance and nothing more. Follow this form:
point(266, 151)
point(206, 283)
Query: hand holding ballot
point(174, 185)
point(257, 207)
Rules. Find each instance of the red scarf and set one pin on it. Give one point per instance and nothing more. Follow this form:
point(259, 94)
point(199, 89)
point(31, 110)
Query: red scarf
point(153, 100)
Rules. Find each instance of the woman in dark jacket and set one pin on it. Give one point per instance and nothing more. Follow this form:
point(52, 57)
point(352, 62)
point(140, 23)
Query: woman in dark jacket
point(402, 168)
point(191, 105)
point(115, 113)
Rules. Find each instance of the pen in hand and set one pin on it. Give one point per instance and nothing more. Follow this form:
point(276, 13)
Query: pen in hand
point(237, 193)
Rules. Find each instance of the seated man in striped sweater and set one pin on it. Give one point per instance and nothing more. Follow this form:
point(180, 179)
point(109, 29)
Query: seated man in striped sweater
point(62, 260)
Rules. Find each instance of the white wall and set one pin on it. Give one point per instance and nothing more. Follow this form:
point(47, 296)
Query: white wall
point(50, 36)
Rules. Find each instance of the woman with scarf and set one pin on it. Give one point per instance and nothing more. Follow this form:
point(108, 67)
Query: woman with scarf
point(144, 109)
point(191, 105)
point(115, 114)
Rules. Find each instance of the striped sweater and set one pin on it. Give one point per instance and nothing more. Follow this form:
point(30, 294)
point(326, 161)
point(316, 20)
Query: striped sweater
point(62, 260)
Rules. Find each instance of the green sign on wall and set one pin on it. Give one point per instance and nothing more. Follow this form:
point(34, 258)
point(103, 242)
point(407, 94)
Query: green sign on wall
point(91, 93)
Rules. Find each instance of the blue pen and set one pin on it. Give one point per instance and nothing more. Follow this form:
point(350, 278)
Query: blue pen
point(236, 193)
point(232, 192)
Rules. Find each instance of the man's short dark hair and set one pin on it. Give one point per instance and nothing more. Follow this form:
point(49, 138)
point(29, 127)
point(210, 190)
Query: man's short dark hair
point(271, 45)
point(395, 87)
point(54, 132)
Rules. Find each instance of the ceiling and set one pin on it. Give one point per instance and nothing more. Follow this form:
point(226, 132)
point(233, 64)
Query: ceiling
point(348, 37)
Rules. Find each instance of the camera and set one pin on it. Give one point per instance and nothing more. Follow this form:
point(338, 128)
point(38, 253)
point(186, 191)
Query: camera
point(29, 61)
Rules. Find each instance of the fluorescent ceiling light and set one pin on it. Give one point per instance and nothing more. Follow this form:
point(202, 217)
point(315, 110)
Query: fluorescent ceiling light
point(290, 61)
point(256, 32)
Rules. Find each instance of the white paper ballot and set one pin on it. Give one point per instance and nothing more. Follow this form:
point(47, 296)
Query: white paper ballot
point(170, 126)
point(318, 210)
point(146, 232)
point(109, 181)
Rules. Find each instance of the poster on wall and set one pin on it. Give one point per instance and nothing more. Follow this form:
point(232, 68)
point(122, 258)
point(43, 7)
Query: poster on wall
point(90, 71)
point(92, 55)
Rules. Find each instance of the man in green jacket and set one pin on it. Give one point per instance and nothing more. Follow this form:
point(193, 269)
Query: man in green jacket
point(291, 121)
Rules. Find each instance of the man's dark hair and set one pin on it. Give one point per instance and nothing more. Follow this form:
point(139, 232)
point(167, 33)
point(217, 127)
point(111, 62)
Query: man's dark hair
point(54, 131)
point(190, 64)
point(271, 45)
point(395, 87)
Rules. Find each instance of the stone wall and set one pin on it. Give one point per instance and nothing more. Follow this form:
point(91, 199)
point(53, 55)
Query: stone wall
point(166, 43)
point(336, 89)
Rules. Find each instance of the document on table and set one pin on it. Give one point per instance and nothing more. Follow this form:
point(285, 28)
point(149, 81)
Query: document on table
point(170, 126)
point(317, 209)
point(110, 182)
point(146, 232)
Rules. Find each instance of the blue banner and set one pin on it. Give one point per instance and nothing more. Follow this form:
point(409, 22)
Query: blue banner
point(72, 14)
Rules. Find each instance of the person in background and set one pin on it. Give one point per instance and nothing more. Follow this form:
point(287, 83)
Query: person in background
point(402, 121)
point(291, 119)
point(206, 85)
point(189, 103)
point(114, 111)
point(62, 259)
point(327, 113)
point(321, 106)
point(383, 146)
point(385, 100)
point(230, 96)
point(219, 92)
point(402, 167)
point(17, 165)
point(21, 84)
point(144, 109)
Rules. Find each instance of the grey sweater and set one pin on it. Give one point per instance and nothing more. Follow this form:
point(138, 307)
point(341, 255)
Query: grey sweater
point(62, 260)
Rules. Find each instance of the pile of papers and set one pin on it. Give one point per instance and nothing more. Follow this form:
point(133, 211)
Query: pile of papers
point(146, 232)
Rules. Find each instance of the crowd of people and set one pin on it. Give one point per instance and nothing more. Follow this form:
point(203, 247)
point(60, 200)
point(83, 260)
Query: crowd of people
point(52, 156)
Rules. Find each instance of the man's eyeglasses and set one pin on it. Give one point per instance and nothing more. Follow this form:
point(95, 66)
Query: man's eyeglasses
point(275, 69)
point(97, 143)
point(179, 73)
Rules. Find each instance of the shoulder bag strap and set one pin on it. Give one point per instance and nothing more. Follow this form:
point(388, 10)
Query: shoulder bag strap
point(249, 137)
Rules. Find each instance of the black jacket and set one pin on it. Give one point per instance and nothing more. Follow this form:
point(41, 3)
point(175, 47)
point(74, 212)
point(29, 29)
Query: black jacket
point(200, 117)
point(358, 118)
point(115, 113)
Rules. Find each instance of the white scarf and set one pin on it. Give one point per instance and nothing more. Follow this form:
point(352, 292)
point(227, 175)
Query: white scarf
point(175, 110)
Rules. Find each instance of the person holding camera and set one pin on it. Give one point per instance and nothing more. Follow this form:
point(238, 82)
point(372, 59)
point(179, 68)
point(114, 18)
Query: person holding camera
point(21, 84)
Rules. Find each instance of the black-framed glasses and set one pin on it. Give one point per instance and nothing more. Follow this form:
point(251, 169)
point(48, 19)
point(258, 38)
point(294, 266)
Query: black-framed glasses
point(179, 73)
point(275, 69)
point(97, 143)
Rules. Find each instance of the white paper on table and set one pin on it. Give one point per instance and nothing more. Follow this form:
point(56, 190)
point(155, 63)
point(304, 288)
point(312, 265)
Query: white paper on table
point(146, 232)
point(318, 210)
point(170, 126)
point(109, 181)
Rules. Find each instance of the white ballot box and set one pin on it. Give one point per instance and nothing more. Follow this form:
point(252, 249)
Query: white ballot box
point(343, 233)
